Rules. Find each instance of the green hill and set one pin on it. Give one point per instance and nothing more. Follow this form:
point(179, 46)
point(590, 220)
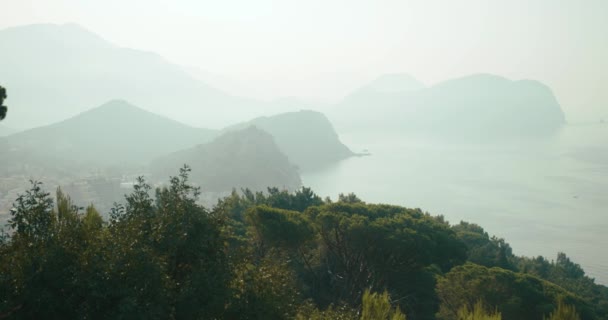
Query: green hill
point(113, 133)
point(247, 158)
point(306, 137)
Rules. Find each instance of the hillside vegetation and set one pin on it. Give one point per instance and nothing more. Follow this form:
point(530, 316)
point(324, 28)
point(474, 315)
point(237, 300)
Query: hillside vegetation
point(271, 255)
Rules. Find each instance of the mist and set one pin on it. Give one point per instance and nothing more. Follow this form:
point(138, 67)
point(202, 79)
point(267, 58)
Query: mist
point(340, 149)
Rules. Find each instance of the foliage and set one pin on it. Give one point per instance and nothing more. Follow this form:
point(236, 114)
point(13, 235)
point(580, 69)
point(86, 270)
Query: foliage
point(3, 108)
point(279, 228)
point(493, 252)
point(477, 312)
point(564, 312)
point(157, 258)
point(483, 249)
point(341, 249)
point(515, 295)
point(570, 276)
point(272, 255)
point(349, 198)
point(370, 246)
point(308, 311)
point(378, 307)
point(266, 289)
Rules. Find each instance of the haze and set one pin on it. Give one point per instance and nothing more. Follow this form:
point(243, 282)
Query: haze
point(321, 50)
point(304, 159)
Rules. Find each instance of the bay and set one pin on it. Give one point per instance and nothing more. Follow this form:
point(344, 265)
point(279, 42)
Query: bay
point(542, 196)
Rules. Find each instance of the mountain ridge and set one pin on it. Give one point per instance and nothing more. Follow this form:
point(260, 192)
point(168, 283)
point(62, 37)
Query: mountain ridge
point(478, 106)
point(307, 137)
point(57, 71)
point(107, 135)
point(245, 158)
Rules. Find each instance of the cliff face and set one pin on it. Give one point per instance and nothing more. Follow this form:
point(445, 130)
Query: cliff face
point(247, 158)
point(487, 104)
point(306, 137)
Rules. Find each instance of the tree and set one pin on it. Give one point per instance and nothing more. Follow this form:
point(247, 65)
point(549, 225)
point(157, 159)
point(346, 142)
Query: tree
point(192, 246)
point(564, 312)
point(3, 108)
point(169, 256)
point(264, 288)
point(349, 198)
point(478, 312)
point(514, 295)
point(483, 249)
point(379, 246)
point(48, 271)
point(568, 275)
point(378, 307)
point(374, 306)
point(341, 249)
point(280, 228)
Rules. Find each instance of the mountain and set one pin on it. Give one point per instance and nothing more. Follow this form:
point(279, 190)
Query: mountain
point(306, 137)
point(478, 106)
point(113, 133)
point(247, 158)
point(5, 131)
point(53, 72)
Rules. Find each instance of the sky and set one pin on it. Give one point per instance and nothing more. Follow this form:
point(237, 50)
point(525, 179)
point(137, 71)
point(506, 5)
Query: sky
point(321, 50)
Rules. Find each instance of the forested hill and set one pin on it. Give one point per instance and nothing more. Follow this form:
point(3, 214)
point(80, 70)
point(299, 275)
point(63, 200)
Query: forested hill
point(247, 158)
point(271, 255)
point(113, 133)
point(306, 137)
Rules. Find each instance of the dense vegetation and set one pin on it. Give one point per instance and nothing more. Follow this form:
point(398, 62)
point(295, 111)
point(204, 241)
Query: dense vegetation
point(272, 255)
point(247, 158)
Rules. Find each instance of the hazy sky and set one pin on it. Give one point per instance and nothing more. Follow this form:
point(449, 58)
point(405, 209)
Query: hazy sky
point(322, 49)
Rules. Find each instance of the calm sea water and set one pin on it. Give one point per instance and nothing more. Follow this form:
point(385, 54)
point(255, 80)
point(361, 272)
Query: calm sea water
point(542, 196)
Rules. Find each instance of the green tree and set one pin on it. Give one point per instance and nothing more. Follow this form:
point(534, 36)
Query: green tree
point(3, 108)
point(264, 288)
point(378, 307)
point(192, 246)
point(374, 246)
point(349, 198)
point(515, 295)
point(46, 260)
point(569, 276)
point(483, 249)
point(563, 312)
point(477, 312)
point(169, 258)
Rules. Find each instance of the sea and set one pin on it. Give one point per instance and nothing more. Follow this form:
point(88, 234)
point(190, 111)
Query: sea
point(543, 196)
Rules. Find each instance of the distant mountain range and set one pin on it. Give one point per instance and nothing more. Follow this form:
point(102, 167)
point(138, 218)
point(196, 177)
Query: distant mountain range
point(125, 139)
point(53, 72)
point(478, 106)
point(118, 133)
point(113, 133)
point(247, 158)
